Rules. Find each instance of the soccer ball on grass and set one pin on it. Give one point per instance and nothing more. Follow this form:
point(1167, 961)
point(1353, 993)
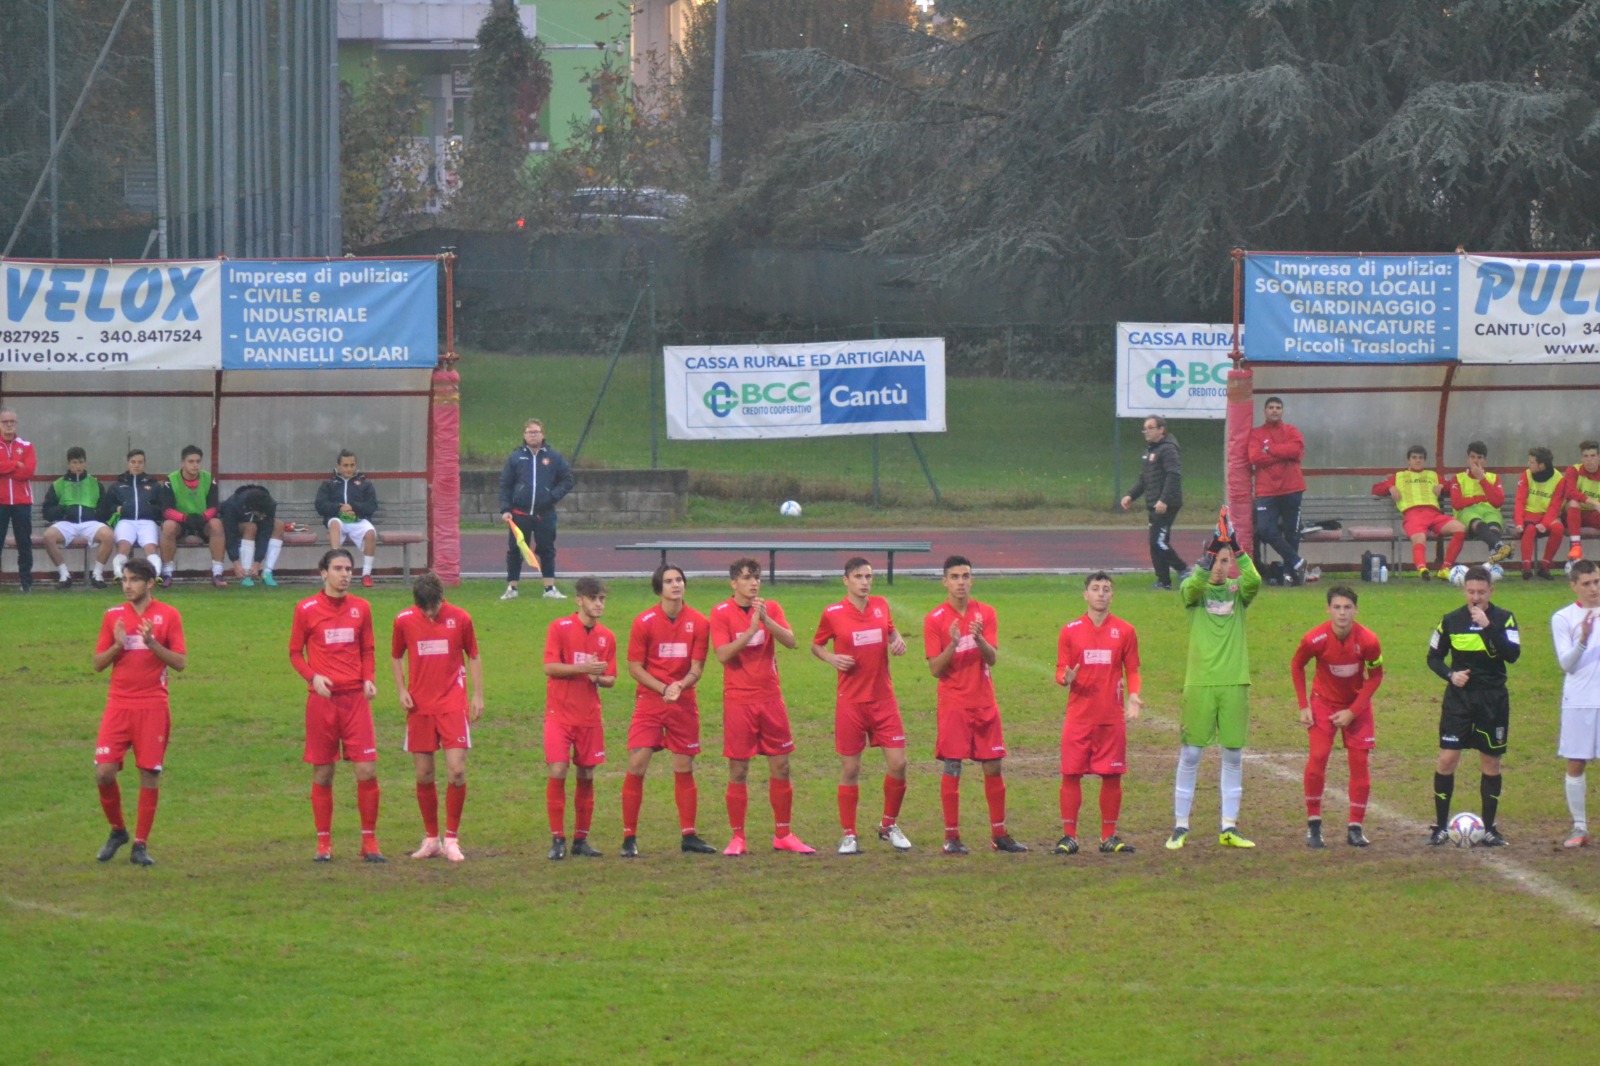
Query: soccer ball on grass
point(1466, 830)
point(789, 509)
point(1458, 575)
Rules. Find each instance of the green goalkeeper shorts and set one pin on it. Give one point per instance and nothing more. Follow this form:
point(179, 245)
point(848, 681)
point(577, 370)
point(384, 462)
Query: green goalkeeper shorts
point(1216, 713)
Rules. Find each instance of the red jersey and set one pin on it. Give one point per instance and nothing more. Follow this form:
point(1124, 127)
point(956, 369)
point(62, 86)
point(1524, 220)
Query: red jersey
point(1101, 654)
point(1275, 453)
point(17, 465)
point(966, 683)
point(752, 675)
point(575, 701)
point(333, 637)
point(1341, 665)
point(864, 636)
point(137, 674)
point(668, 647)
point(436, 675)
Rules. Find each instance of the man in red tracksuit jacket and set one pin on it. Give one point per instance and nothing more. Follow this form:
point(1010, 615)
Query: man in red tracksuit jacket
point(1275, 451)
point(17, 464)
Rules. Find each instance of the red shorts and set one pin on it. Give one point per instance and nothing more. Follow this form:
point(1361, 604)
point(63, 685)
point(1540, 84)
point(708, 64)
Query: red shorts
point(344, 720)
point(1586, 520)
point(143, 725)
point(1099, 748)
point(675, 727)
point(876, 723)
point(1424, 520)
point(751, 729)
point(580, 745)
point(1360, 733)
point(431, 732)
point(970, 734)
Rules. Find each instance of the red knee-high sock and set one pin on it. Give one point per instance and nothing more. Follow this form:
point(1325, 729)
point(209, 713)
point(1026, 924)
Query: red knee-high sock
point(455, 801)
point(1419, 555)
point(894, 793)
point(1360, 783)
point(688, 797)
point(1574, 523)
point(1317, 772)
point(781, 793)
point(1110, 805)
point(849, 800)
point(111, 803)
point(1529, 535)
point(1450, 553)
point(994, 790)
point(1553, 543)
point(950, 799)
point(583, 805)
point(367, 807)
point(147, 814)
point(322, 812)
point(555, 805)
point(738, 804)
point(1071, 801)
point(428, 804)
point(632, 800)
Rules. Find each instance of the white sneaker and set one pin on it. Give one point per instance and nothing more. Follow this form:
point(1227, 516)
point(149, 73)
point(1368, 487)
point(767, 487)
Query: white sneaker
point(510, 593)
point(849, 845)
point(430, 849)
point(553, 593)
point(894, 836)
point(452, 850)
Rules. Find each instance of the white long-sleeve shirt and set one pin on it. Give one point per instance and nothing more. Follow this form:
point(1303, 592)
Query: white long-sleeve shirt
point(1580, 663)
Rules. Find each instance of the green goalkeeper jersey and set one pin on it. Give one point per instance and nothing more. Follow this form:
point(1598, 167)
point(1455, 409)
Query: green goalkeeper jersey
point(1217, 651)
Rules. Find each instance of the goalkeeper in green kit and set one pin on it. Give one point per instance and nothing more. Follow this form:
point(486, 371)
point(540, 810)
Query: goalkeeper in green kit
point(1216, 684)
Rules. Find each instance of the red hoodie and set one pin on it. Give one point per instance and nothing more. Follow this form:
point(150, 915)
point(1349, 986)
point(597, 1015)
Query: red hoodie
point(1275, 453)
point(17, 464)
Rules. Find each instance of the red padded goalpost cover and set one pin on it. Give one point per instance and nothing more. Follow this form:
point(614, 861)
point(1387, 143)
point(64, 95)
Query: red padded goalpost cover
point(1241, 413)
point(444, 476)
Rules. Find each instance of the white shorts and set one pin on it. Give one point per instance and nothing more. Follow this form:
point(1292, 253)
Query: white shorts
point(72, 532)
point(137, 531)
point(354, 532)
point(1580, 733)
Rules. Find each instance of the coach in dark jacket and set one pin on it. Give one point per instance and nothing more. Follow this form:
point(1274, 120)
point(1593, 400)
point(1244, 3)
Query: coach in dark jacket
point(1161, 485)
point(532, 482)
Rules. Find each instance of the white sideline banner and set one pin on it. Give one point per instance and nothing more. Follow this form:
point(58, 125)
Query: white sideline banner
point(845, 388)
point(1173, 369)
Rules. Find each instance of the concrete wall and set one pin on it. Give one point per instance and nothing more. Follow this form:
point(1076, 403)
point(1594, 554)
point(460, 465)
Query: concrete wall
point(598, 497)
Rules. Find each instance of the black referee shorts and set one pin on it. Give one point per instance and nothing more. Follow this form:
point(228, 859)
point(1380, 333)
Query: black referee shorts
point(1475, 719)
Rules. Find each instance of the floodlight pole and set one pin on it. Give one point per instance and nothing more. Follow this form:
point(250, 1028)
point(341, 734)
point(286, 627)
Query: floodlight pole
point(55, 171)
point(716, 91)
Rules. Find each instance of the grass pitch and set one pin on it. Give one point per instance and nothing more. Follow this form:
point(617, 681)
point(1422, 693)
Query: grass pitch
point(236, 948)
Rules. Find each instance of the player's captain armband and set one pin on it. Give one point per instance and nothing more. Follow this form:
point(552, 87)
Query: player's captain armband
point(340, 635)
point(1097, 657)
point(672, 650)
point(433, 647)
point(863, 637)
point(1344, 669)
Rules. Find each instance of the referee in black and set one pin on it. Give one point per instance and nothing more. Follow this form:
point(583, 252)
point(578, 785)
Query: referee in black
point(1469, 649)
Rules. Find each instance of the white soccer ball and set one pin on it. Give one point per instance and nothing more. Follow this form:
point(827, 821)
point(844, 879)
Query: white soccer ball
point(1466, 830)
point(790, 509)
point(1568, 568)
point(1496, 572)
point(1458, 575)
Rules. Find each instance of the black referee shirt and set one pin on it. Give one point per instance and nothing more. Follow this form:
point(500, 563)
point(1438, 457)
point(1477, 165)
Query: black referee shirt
point(1483, 650)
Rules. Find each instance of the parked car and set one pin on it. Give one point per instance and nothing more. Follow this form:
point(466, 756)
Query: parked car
point(626, 207)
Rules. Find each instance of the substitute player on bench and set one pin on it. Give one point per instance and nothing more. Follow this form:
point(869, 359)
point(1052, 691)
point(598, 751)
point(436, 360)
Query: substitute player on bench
point(745, 629)
point(961, 639)
point(72, 507)
point(331, 646)
point(437, 637)
point(1541, 499)
point(1349, 670)
point(1097, 658)
point(140, 640)
point(580, 659)
point(1573, 632)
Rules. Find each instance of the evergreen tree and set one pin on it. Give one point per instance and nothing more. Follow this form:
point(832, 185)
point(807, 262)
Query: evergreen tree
point(510, 84)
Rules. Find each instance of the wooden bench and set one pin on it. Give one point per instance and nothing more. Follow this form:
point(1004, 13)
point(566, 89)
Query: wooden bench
point(773, 547)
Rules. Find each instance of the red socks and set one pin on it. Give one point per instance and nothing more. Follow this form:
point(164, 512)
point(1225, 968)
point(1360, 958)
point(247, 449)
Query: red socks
point(428, 804)
point(367, 806)
point(583, 805)
point(950, 800)
point(738, 805)
point(455, 800)
point(1360, 784)
point(1110, 805)
point(688, 797)
point(781, 793)
point(632, 800)
point(111, 803)
point(1071, 801)
point(1317, 772)
point(994, 790)
point(1454, 550)
point(147, 814)
point(555, 804)
point(849, 800)
point(322, 812)
point(894, 793)
point(1419, 555)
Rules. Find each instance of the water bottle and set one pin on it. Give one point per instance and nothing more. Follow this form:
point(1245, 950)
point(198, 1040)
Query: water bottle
point(1383, 574)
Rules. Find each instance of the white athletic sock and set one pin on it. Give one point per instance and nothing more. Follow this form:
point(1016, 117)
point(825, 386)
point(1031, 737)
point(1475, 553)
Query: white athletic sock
point(247, 554)
point(366, 564)
point(1183, 785)
point(1232, 785)
point(216, 569)
point(117, 562)
point(66, 575)
point(1577, 801)
point(99, 569)
point(271, 561)
point(167, 568)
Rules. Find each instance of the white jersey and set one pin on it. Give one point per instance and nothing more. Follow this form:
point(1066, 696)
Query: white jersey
point(1579, 663)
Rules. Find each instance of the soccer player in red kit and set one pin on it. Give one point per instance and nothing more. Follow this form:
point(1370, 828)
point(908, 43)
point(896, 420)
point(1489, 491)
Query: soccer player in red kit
point(1349, 671)
point(140, 640)
point(666, 656)
point(331, 646)
point(1097, 659)
point(961, 638)
point(580, 659)
point(744, 630)
point(437, 636)
point(865, 710)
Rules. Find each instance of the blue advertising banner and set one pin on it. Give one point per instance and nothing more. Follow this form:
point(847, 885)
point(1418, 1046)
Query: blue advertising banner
point(1352, 309)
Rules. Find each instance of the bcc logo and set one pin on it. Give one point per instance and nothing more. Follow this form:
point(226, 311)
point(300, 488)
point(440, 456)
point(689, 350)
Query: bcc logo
point(1166, 377)
point(722, 398)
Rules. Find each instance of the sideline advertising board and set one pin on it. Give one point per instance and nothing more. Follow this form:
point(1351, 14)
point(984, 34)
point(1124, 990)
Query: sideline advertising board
point(845, 388)
point(236, 314)
point(1173, 369)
